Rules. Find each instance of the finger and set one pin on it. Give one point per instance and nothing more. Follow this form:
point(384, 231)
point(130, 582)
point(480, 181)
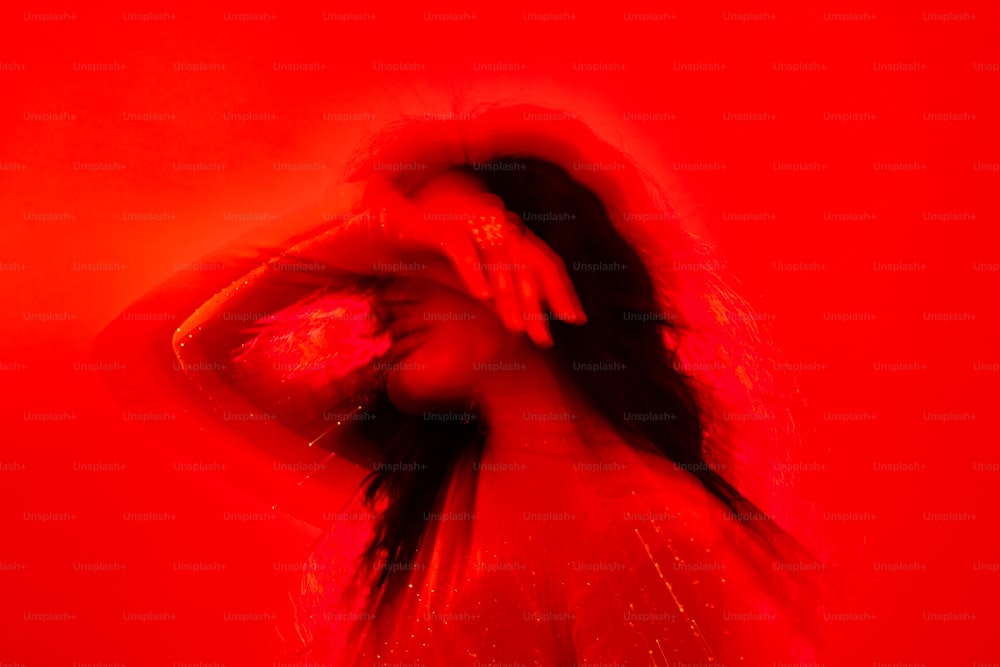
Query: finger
point(527, 289)
point(557, 288)
point(501, 280)
point(464, 257)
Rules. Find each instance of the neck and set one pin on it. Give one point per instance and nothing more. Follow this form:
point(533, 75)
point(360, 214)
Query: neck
point(525, 406)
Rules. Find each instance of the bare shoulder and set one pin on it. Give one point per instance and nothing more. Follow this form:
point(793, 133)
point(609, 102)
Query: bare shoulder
point(668, 553)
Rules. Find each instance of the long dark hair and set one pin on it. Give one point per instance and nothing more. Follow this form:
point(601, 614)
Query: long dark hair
point(628, 328)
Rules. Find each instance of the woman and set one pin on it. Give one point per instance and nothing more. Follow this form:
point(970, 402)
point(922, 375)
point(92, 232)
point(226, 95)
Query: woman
point(546, 485)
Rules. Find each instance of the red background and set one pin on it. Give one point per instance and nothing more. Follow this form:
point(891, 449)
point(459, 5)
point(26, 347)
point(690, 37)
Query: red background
point(952, 565)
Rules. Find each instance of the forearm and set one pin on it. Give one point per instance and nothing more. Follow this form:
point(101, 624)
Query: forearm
point(338, 255)
point(363, 244)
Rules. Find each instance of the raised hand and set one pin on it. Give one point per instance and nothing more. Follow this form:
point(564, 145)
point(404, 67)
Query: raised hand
point(492, 251)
